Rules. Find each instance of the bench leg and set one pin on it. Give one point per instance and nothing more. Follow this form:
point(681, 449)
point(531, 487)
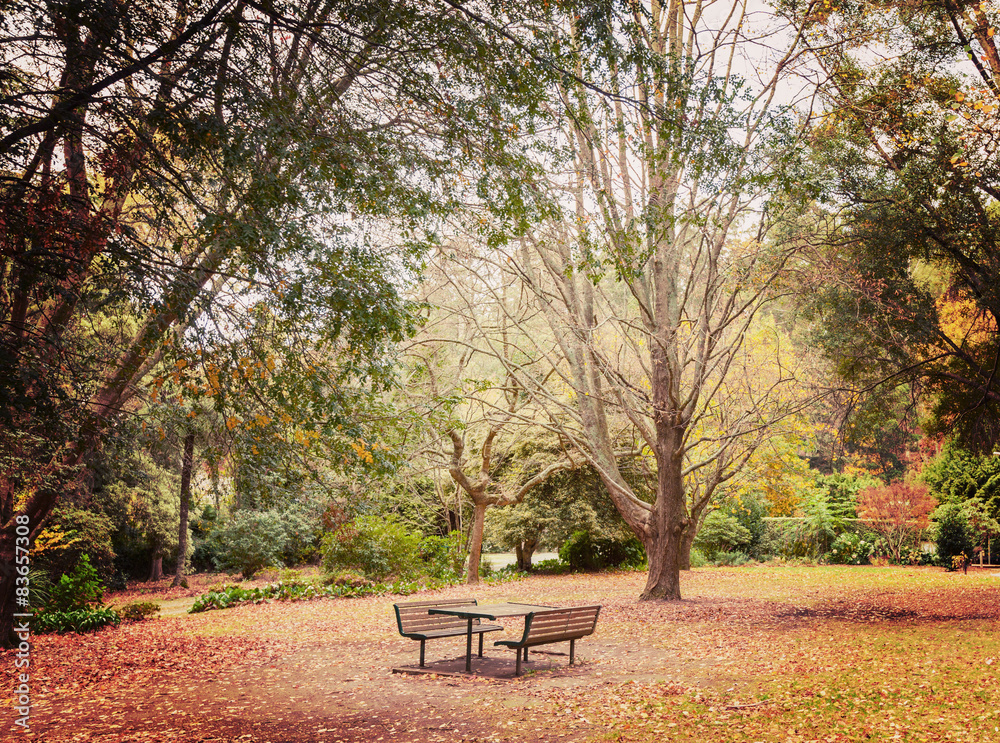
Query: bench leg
point(468, 647)
point(572, 644)
point(422, 653)
point(517, 672)
point(481, 644)
point(526, 654)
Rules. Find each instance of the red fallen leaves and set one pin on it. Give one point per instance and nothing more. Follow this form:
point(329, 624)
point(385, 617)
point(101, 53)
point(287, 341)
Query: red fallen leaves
point(329, 660)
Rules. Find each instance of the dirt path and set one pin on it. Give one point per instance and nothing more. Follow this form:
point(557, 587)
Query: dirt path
point(322, 670)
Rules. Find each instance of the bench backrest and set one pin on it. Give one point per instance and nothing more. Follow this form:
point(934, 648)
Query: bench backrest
point(560, 624)
point(412, 617)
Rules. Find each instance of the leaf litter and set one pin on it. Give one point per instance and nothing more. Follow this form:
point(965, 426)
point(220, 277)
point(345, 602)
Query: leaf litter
point(759, 653)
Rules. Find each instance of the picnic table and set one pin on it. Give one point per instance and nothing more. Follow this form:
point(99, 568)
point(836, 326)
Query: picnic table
point(492, 612)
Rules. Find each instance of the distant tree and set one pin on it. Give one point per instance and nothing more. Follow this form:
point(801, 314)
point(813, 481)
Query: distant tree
point(952, 534)
point(982, 526)
point(568, 502)
point(842, 492)
point(957, 475)
point(897, 513)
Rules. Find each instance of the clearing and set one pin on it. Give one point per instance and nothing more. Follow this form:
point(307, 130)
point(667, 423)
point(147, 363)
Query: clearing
point(756, 653)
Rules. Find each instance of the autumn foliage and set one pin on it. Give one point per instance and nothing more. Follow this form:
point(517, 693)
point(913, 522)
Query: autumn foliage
point(897, 513)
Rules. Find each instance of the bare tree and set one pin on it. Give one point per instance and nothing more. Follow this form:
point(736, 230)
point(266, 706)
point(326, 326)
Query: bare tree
point(650, 278)
point(459, 373)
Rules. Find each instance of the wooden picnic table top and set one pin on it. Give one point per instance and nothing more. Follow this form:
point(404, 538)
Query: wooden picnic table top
point(489, 611)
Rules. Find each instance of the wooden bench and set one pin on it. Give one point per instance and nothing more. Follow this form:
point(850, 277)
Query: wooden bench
point(415, 623)
point(555, 625)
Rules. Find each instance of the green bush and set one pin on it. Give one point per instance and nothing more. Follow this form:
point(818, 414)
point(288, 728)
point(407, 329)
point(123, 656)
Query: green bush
point(139, 610)
point(75, 620)
point(249, 542)
point(698, 559)
point(721, 532)
point(301, 537)
point(953, 534)
point(442, 557)
point(375, 546)
point(207, 554)
point(550, 567)
point(733, 558)
point(584, 552)
point(850, 549)
point(80, 589)
point(750, 512)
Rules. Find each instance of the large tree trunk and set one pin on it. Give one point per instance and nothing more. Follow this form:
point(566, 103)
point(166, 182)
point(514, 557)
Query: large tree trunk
point(524, 550)
point(182, 529)
point(476, 541)
point(668, 521)
point(156, 569)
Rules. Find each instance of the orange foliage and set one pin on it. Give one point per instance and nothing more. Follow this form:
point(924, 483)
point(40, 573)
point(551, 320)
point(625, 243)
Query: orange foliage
point(897, 513)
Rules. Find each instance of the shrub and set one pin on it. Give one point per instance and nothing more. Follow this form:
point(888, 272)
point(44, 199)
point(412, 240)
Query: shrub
point(720, 532)
point(249, 541)
point(584, 552)
point(731, 559)
point(374, 546)
point(301, 537)
point(75, 620)
point(139, 610)
point(698, 559)
point(750, 512)
point(850, 549)
point(71, 534)
point(207, 554)
point(80, 589)
point(953, 534)
point(550, 567)
point(442, 557)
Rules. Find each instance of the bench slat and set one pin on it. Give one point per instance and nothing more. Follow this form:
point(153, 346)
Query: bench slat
point(554, 625)
point(452, 633)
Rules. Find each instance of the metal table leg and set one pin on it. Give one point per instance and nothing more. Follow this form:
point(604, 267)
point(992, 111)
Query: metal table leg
point(468, 648)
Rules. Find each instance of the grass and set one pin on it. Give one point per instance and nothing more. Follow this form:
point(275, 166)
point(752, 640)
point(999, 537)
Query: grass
point(877, 655)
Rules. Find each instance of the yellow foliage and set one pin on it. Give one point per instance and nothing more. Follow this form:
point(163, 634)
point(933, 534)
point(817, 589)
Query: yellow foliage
point(962, 319)
point(362, 452)
point(52, 539)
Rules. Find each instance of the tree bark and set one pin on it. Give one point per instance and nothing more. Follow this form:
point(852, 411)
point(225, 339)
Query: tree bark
point(182, 530)
point(524, 550)
point(687, 542)
point(156, 569)
point(668, 521)
point(476, 542)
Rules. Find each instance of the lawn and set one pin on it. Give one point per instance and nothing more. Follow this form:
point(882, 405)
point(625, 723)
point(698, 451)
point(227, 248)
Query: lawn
point(756, 653)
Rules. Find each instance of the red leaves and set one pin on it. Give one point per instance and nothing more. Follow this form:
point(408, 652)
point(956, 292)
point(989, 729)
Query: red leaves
point(897, 512)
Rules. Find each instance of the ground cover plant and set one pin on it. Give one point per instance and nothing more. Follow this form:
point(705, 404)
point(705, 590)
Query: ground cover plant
point(757, 653)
